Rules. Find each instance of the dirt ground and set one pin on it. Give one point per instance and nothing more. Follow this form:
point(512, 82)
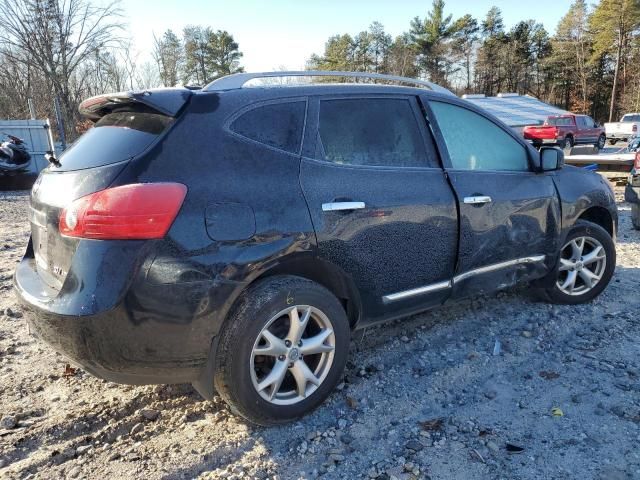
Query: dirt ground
point(495, 388)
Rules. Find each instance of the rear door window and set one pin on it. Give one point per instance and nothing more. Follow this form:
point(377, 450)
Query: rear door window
point(560, 121)
point(372, 132)
point(278, 125)
point(582, 122)
point(115, 137)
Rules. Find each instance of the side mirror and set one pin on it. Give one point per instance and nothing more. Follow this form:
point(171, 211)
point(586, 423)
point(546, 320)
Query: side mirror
point(551, 158)
point(596, 125)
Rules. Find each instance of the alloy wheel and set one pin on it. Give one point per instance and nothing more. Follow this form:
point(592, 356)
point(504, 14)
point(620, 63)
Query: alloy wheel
point(292, 355)
point(582, 264)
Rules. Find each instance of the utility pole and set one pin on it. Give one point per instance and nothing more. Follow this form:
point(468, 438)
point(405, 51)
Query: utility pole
point(60, 123)
point(32, 110)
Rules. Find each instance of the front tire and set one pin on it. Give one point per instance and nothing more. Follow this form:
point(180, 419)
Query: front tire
point(282, 350)
point(585, 266)
point(602, 140)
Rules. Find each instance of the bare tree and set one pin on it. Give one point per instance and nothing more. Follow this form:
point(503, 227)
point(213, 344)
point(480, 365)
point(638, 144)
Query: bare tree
point(57, 37)
point(169, 55)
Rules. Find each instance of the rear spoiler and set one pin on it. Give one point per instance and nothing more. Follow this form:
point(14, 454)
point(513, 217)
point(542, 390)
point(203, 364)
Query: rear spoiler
point(167, 101)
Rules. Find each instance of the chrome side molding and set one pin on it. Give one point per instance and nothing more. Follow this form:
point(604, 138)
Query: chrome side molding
point(416, 291)
point(394, 297)
point(498, 266)
point(337, 206)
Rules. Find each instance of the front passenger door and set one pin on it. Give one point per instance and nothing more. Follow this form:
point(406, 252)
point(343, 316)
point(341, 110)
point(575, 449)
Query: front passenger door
point(509, 214)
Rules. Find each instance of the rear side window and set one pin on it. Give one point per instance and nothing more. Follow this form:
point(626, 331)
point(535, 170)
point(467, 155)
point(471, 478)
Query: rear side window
point(370, 131)
point(278, 125)
point(560, 121)
point(115, 137)
point(476, 143)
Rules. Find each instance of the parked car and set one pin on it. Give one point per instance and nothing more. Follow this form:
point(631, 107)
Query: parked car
point(615, 166)
point(632, 191)
point(566, 131)
point(626, 128)
point(234, 237)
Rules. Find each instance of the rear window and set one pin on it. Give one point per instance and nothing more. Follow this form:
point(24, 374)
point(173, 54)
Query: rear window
point(560, 121)
point(277, 125)
point(631, 118)
point(115, 137)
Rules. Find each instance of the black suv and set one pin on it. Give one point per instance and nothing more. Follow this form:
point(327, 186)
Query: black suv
point(234, 236)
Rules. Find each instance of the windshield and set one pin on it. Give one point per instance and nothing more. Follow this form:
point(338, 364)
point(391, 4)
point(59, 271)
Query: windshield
point(631, 118)
point(115, 137)
point(559, 121)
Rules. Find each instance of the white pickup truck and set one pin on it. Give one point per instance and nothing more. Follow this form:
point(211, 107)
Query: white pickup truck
point(627, 127)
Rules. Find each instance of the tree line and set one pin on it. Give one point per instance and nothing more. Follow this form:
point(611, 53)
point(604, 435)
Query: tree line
point(591, 64)
point(64, 51)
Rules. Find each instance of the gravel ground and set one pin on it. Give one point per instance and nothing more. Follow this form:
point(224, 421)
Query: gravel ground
point(503, 387)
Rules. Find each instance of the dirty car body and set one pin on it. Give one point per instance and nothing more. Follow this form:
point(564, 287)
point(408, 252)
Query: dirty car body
point(388, 240)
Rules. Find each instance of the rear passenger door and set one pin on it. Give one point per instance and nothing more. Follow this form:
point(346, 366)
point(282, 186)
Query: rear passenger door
point(586, 132)
point(380, 204)
point(593, 131)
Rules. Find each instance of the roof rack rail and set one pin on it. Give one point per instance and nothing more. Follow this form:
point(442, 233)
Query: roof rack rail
point(238, 80)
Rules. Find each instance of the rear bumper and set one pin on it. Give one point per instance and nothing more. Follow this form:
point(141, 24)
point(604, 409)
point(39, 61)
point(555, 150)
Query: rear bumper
point(152, 334)
point(545, 141)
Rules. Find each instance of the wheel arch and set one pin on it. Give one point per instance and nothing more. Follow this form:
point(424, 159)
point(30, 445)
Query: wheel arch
point(330, 276)
point(599, 216)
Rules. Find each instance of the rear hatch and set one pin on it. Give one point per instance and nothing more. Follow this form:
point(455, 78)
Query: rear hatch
point(124, 129)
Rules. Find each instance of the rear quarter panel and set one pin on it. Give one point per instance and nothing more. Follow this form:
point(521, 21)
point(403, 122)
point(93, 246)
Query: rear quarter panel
point(243, 212)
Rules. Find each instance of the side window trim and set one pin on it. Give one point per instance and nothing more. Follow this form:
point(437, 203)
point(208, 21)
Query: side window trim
point(313, 143)
point(252, 106)
point(443, 151)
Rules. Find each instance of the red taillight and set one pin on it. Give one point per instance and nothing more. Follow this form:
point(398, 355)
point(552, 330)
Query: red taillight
point(636, 162)
point(634, 128)
point(137, 211)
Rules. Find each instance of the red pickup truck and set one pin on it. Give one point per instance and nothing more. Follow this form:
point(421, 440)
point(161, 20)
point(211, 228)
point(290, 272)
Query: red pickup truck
point(566, 131)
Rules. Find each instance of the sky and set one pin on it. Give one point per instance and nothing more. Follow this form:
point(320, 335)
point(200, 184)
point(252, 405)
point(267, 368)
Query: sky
point(273, 34)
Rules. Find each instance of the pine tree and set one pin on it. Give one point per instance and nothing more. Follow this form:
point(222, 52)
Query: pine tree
point(432, 36)
point(169, 56)
point(465, 38)
point(224, 55)
point(614, 23)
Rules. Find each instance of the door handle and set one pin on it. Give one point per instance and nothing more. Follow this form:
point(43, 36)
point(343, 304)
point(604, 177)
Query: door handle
point(477, 200)
point(342, 206)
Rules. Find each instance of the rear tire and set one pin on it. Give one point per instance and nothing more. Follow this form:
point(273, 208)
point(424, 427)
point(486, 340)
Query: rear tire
point(567, 143)
point(271, 372)
point(613, 141)
point(585, 265)
point(635, 216)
